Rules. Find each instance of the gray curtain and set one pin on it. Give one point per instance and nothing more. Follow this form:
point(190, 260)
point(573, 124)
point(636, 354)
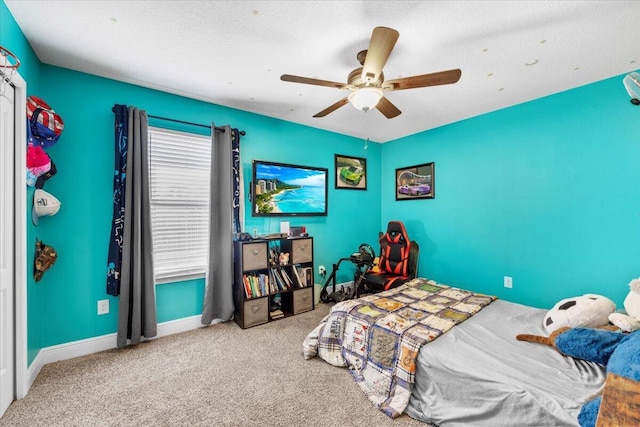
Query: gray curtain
point(218, 295)
point(137, 306)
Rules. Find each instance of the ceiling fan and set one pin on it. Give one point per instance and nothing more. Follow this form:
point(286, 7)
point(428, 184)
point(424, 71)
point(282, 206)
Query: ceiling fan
point(367, 84)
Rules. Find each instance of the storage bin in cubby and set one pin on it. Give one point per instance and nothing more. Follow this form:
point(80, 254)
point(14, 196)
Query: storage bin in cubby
point(301, 250)
point(254, 256)
point(256, 312)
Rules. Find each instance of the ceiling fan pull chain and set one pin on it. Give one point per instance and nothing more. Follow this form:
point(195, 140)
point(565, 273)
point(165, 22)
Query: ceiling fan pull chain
point(366, 130)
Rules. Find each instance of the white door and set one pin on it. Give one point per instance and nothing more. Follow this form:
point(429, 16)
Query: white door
point(7, 224)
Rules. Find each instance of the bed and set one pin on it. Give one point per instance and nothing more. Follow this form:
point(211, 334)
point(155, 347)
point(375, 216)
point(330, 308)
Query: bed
point(449, 357)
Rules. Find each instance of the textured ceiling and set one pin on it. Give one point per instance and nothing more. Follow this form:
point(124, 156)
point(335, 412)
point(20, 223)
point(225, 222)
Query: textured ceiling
point(232, 53)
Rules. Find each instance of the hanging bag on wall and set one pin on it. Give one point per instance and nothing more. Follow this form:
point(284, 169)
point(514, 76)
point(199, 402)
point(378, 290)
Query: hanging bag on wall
point(38, 163)
point(44, 258)
point(44, 123)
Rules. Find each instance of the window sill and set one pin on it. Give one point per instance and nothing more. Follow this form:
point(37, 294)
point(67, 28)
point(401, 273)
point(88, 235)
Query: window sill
point(179, 278)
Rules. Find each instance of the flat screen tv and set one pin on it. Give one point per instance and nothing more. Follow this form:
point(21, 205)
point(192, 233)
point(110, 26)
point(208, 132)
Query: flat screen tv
point(280, 189)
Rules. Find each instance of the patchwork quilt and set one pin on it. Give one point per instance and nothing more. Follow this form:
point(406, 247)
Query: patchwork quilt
point(378, 336)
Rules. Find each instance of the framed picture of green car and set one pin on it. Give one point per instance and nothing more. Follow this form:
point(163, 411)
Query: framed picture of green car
point(351, 172)
point(416, 182)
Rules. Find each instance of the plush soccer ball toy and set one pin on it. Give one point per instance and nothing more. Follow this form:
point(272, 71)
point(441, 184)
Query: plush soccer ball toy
point(589, 311)
point(631, 321)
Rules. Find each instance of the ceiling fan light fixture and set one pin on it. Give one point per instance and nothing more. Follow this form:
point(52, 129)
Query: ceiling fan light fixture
point(365, 98)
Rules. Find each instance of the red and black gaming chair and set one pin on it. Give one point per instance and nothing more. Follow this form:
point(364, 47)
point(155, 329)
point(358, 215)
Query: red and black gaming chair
point(398, 261)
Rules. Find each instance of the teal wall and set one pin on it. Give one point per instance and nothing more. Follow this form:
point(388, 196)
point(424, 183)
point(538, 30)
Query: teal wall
point(545, 192)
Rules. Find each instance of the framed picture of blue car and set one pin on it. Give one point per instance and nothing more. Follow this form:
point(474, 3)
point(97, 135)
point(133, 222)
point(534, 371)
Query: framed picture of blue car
point(416, 182)
point(351, 172)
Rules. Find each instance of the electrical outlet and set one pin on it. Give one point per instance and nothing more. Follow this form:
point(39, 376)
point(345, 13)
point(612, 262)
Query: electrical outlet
point(322, 270)
point(508, 282)
point(103, 306)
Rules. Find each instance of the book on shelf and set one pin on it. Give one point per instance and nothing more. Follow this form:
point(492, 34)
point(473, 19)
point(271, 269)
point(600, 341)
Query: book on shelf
point(296, 275)
point(279, 279)
point(277, 314)
point(255, 286)
point(308, 276)
point(273, 284)
point(280, 285)
point(276, 280)
point(260, 285)
point(286, 278)
point(247, 287)
point(252, 283)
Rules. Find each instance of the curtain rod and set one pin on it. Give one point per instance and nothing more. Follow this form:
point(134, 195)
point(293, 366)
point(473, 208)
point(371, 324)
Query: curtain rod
point(219, 129)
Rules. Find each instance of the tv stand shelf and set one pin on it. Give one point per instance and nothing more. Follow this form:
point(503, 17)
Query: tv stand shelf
point(266, 287)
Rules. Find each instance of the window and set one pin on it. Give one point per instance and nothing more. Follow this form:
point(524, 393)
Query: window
point(179, 169)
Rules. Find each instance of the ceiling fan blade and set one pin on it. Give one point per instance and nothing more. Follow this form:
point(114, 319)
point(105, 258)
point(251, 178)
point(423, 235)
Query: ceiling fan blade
point(424, 80)
point(310, 81)
point(382, 41)
point(387, 108)
point(332, 108)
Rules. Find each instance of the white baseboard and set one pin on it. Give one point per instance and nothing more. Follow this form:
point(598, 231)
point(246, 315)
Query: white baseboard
point(96, 344)
point(32, 372)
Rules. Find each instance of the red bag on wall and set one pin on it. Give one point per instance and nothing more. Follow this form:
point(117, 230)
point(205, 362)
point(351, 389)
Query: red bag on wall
point(44, 123)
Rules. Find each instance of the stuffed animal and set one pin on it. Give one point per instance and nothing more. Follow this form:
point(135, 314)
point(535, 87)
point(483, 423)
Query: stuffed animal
point(283, 259)
point(631, 321)
point(595, 345)
point(589, 311)
point(619, 352)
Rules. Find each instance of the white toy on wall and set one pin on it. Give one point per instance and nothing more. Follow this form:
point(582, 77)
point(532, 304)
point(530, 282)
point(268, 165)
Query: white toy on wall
point(631, 321)
point(588, 311)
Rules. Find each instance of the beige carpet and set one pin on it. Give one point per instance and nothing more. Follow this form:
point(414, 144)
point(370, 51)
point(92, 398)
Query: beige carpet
point(216, 376)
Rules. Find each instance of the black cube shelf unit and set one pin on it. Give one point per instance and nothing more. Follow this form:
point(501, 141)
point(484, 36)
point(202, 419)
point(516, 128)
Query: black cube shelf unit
point(269, 287)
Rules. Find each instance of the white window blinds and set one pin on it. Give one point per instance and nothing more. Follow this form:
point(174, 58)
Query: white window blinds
point(179, 169)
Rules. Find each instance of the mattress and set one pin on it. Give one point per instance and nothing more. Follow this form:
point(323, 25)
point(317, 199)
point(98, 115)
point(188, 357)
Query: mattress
point(478, 374)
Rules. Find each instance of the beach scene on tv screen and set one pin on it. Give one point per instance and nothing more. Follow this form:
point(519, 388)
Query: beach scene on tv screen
point(281, 189)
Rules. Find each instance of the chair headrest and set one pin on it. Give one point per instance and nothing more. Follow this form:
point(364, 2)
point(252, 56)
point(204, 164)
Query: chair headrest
point(396, 227)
